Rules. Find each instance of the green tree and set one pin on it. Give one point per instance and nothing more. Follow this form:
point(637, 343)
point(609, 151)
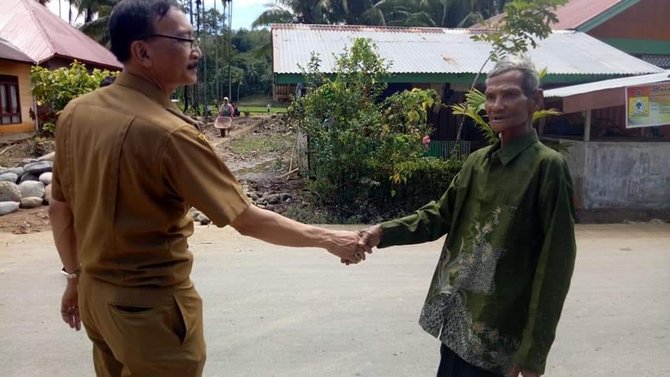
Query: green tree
point(366, 154)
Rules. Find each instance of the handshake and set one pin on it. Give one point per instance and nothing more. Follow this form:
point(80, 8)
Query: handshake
point(351, 247)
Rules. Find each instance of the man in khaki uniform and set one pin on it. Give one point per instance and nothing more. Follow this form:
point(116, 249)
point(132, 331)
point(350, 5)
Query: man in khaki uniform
point(129, 167)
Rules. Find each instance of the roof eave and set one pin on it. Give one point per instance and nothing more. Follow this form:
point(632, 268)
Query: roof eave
point(606, 15)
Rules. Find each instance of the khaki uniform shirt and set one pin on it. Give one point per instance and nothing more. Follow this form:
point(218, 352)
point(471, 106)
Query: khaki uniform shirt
point(130, 165)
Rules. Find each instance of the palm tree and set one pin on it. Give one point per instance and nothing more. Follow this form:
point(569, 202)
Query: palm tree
point(295, 11)
point(96, 28)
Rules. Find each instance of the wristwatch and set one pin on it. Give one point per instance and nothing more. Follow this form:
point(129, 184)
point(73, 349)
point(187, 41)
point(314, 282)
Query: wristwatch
point(71, 275)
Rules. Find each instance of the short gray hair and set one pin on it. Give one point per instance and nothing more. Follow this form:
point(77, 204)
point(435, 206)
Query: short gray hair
point(531, 80)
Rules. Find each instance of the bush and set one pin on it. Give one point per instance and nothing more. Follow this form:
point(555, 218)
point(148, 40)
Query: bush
point(54, 89)
point(365, 155)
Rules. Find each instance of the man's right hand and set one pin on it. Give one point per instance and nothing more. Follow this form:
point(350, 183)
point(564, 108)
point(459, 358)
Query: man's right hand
point(371, 237)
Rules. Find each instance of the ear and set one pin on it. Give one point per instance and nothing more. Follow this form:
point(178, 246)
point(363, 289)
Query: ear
point(140, 52)
point(538, 99)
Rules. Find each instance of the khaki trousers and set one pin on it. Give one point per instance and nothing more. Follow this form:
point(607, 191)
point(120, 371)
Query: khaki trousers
point(143, 332)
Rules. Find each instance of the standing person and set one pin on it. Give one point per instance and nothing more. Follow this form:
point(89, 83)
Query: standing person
point(224, 121)
point(499, 286)
point(122, 191)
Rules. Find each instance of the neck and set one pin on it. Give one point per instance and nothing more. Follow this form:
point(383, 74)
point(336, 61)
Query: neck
point(507, 136)
point(167, 90)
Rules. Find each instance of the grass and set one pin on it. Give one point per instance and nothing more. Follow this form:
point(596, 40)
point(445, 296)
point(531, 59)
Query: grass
point(258, 104)
point(262, 109)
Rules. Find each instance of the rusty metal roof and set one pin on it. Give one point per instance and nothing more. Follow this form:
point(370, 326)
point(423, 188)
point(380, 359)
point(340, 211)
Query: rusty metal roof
point(576, 14)
point(42, 35)
point(437, 50)
point(10, 52)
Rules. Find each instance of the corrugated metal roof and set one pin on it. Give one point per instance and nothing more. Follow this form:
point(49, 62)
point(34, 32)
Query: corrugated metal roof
point(41, 35)
point(437, 50)
point(10, 52)
point(568, 91)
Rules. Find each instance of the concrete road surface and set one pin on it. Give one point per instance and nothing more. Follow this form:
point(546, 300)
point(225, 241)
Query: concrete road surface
point(274, 311)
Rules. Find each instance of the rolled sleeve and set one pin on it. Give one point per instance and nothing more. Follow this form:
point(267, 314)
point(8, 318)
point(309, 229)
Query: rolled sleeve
point(191, 167)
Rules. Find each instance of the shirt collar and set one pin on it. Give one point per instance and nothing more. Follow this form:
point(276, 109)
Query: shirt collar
point(509, 152)
point(146, 87)
point(153, 92)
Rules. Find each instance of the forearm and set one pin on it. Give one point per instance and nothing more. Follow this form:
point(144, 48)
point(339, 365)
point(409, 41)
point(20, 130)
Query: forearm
point(279, 230)
point(62, 225)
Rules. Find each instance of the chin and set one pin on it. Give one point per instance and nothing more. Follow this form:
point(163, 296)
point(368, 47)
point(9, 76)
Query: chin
point(498, 128)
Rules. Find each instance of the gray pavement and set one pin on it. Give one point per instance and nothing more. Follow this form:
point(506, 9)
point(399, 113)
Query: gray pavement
point(275, 311)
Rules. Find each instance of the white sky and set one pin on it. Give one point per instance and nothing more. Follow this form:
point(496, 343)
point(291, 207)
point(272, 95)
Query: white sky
point(244, 11)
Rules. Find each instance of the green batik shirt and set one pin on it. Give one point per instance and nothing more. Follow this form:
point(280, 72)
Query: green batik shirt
point(505, 268)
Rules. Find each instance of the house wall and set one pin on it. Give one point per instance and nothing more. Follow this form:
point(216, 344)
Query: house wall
point(647, 19)
point(620, 175)
point(22, 71)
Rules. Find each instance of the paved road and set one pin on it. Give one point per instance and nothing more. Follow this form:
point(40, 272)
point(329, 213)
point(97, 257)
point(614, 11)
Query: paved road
point(273, 311)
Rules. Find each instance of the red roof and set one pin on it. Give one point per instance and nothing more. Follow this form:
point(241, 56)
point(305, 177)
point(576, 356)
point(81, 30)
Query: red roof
point(10, 52)
point(42, 35)
point(572, 15)
point(577, 12)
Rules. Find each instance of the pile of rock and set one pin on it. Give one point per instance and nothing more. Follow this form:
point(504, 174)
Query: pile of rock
point(26, 186)
point(262, 200)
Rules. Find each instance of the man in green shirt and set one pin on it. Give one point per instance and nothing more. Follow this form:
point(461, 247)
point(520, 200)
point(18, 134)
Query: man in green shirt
point(505, 268)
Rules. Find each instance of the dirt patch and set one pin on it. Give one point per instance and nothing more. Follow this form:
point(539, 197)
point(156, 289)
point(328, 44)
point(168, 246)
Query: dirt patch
point(13, 153)
point(26, 221)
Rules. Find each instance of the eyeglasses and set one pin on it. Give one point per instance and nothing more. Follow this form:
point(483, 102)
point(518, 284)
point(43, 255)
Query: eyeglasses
point(195, 42)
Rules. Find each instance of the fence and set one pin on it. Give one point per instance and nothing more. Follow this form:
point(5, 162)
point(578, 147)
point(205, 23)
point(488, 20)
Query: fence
point(447, 149)
point(443, 149)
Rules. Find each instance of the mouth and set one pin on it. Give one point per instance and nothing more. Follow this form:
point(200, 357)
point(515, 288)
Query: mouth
point(192, 67)
point(497, 118)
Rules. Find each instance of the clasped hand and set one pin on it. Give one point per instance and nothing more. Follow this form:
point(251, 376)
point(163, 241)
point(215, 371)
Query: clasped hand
point(351, 247)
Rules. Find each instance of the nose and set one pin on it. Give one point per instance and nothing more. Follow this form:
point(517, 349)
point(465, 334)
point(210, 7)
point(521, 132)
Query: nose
point(496, 104)
point(197, 52)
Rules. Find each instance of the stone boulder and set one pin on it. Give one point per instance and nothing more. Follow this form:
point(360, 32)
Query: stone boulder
point(32, 189)
point(28, 177)
point(8, 207)
point(9, 177)
point(39, 167)
point(47, 194)
point(9, 192)
point(31, 202)
point(18, 170)
point(46, 178)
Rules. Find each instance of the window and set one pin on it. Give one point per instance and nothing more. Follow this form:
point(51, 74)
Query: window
point(10, 106)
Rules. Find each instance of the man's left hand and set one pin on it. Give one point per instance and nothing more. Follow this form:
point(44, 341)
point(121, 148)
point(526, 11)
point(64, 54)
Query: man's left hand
point(518, 371)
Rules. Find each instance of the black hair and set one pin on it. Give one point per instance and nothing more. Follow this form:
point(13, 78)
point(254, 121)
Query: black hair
point(132, 20)
point(109, 80)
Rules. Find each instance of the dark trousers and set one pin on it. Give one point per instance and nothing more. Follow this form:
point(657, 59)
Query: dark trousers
point(451, 365)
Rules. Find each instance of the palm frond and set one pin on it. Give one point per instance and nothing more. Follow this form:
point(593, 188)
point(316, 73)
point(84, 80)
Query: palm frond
point(541, 114)
point(273, 16)
point(97, 30)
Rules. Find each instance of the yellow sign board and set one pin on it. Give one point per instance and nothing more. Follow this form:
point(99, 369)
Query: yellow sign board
point(648, 105)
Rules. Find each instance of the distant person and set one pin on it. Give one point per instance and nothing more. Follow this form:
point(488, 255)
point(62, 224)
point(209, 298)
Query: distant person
point(499, 285)
point(121, 199)
point(224, 122)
